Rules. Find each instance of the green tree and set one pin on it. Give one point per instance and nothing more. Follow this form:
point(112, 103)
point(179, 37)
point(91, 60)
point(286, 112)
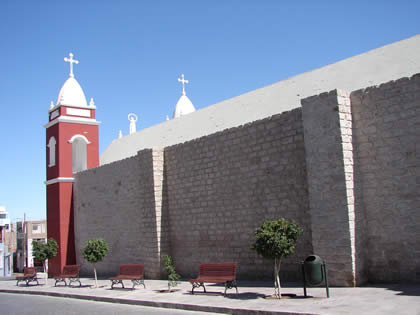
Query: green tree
point(169, 268)
point(94, 252)
point(276, 239)
point(43, 251)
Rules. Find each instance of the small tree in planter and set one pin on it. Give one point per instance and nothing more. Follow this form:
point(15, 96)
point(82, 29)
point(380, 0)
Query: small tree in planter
point(274, 240)
point(169, 268)
point(94, 252)
point(43, 251)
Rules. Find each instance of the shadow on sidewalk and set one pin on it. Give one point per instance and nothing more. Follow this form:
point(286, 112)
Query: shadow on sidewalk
point(268, 284)
point(403, 289)
point(73, 286)
point(229, 295)
point(120, 289)
point(245, 296)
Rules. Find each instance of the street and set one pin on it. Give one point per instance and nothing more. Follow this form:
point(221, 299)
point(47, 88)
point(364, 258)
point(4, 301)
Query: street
point(22, 304)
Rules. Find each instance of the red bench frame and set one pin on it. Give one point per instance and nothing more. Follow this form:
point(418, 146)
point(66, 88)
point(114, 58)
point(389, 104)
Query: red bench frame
point(70, 272)
point(216, 273)
point(29, 275)
point(133, 272)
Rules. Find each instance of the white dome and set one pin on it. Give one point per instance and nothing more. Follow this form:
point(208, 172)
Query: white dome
point(71, 94)
point(183, 107)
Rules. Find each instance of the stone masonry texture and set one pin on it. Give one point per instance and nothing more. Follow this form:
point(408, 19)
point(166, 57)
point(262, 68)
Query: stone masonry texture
point(329, 160)
point(222, 187)
point(387, 130)
point(344, 166)
point(117, 202)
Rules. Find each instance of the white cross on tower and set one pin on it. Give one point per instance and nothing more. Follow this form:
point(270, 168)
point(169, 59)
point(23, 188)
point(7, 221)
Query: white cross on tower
point(183, 83)
point(71, 61)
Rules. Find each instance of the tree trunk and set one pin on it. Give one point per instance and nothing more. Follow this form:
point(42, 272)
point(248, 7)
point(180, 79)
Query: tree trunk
point(44, 266)
point(277, 286)
point(96, 278)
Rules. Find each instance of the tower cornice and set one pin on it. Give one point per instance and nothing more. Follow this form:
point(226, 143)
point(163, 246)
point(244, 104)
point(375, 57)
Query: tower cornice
point(75, 106)
point(73, 120)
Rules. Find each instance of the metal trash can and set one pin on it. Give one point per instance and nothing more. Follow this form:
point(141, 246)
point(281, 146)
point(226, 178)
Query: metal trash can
point(314, 272)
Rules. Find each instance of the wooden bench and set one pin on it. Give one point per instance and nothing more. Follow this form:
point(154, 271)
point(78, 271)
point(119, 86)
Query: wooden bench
point(29, 275)
point(71, 273)
point(133, 272)
point(216, 273)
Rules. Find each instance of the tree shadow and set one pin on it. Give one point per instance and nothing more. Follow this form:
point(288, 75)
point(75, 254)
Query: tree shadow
point(245, 296)
point(120, 289)
point(268, 284)
point(167, 291)
point(204, 293)
point(73, 286)
point(287, 296)
point(79, 286)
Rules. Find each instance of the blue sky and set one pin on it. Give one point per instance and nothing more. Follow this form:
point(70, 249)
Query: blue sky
point(132, 52)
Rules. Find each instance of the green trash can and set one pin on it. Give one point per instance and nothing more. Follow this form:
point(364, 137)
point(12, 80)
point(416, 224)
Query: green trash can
point(314, 272)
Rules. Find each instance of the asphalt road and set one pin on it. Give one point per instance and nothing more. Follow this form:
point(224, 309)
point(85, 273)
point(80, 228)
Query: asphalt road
point(22, 304)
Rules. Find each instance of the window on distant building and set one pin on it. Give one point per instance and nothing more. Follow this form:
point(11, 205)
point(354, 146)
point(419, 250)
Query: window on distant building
point(36, 228)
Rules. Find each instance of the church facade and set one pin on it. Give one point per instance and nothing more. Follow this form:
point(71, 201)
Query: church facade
point(344, 164)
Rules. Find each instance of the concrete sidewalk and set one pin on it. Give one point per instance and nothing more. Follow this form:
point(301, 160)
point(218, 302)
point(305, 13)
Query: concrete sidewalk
point(251, 299)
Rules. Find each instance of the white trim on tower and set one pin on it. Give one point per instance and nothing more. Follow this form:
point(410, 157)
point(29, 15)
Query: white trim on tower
point(59, 180)
point(74, 120)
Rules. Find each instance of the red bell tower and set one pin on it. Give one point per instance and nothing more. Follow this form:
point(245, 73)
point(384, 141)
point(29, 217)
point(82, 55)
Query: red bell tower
point(72, 146)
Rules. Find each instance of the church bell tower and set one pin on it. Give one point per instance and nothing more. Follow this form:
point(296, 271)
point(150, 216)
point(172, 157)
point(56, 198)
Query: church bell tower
point(72, 145)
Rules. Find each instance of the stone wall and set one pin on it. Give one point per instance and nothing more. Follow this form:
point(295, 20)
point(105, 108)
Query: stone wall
point(120, 202)
point(204, 203)
point(345, 167)
point(223, 186)
point(387, 131)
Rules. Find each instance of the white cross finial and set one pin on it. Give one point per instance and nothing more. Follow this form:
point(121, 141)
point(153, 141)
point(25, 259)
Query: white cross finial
point(71, 61)
point(183, 83)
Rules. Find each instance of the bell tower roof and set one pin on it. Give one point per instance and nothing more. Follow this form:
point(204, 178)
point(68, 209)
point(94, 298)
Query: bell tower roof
point(184, 106)
point(71, 93)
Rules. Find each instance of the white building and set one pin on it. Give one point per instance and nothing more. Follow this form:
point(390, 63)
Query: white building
point(35, 231)
point(6, 261)
point(28, 231)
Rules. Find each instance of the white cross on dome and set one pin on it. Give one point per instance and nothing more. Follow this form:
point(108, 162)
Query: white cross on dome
point(71, 61)
point(183, 83)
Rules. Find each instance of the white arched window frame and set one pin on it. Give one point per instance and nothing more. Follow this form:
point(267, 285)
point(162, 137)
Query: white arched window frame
point(51, 151)
point(79, 152)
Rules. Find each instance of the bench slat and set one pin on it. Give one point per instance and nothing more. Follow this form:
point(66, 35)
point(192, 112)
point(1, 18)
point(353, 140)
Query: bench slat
point(71, 271)
point(131, 270)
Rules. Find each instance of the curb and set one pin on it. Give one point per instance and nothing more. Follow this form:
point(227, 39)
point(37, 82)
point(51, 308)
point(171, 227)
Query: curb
point(179, 306)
